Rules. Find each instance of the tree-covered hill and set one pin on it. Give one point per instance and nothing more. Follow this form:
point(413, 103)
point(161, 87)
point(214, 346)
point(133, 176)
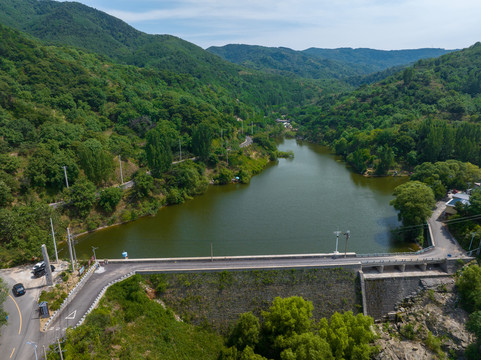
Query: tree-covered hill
point(376, 60)
point(428, 112)
point(62, 107)
point(286, 61)
point(351, 65)
point(80, 26)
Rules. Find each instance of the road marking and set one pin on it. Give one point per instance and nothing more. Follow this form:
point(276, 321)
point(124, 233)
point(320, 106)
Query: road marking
point(19, 314)
point(71, 316)
point(12, 353)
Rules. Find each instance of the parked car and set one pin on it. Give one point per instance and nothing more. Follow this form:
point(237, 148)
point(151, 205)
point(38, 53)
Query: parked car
point(18, 289)
point(39, 269)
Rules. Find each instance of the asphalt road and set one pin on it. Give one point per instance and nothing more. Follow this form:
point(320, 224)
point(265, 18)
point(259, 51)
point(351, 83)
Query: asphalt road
point(23, 324)
point(14, 336)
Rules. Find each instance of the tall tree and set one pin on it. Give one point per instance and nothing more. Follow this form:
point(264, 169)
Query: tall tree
point(96, 162)
point(414, 201)
point(202, 140)
point(159, 152)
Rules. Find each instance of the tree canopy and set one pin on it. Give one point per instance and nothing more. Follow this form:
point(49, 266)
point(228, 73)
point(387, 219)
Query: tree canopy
point(414, 201)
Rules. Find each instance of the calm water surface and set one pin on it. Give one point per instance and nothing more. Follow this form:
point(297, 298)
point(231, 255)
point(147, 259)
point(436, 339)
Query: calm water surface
point(293, 206)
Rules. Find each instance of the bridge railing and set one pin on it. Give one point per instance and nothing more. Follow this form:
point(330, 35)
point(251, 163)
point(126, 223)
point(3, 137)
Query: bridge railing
point(404, 261)
point(422, 251)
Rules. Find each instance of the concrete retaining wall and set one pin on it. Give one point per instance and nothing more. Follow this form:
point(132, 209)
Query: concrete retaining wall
point(382, 294)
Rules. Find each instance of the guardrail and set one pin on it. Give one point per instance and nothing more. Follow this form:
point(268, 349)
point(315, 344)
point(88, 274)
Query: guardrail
point(100, 295)
point(72, 293)
point(404, 261)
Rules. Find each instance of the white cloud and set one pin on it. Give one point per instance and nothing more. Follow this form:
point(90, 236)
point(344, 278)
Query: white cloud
point(386, 24)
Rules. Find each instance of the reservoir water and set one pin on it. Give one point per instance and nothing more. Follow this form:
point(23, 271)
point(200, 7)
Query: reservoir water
point(292, 207)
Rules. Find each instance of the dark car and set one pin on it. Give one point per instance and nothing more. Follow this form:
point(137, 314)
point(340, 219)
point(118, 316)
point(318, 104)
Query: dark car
point(39, 269)
point(18, 289)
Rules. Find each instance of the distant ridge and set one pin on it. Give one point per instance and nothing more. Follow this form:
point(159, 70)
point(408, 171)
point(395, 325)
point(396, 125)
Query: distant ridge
point(318, 63)
point(377, 60)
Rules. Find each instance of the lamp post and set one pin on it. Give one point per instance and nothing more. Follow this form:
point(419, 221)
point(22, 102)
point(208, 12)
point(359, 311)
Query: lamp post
point(34, 348)
point(347, 233)
point(337, 240)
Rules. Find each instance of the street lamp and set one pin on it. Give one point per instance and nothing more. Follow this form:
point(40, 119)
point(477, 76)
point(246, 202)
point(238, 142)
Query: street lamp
point(34, 348)
point(337, 240)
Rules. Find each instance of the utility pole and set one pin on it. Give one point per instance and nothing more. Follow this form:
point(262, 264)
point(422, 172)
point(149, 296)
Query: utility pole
point(180, 150)
point(73, 248)
point(65, 173)
point(472, 238)
point(60, 349)
point(121, 176)
point(48, 270)
point(70, 249)
point(347, 233)
point(337, 240)
point(54, 243)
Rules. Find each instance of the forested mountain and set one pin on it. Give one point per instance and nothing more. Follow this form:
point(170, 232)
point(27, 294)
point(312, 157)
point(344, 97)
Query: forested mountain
point(286, 61)
point(77, 25)
point(351, 65)
point(428, 112)
point(376, 60)
point(62, 107)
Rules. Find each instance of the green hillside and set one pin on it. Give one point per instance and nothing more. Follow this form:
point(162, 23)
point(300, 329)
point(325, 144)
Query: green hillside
point(376, 60)
point(286, 61)
point(61, 107)
point(77, 25)
point(355, 66)
point(428, 112)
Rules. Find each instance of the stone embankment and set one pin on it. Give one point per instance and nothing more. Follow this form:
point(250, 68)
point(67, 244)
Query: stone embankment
point(428, 325)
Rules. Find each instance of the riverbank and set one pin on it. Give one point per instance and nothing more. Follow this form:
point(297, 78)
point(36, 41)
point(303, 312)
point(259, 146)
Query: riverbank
point(249, 161)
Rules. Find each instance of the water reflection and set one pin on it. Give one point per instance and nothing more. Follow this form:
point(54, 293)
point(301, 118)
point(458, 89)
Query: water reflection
point(291, 207)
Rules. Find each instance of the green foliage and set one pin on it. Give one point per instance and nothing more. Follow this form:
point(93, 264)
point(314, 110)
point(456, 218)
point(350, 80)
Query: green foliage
point(434, 344)
point(246, 332)
point(5, 194)
point(188, 178)
point(444, 175)
point(287, 316)
point(288, 332)
point(95, 161)
point(3, 297)
point(128, 325)
point(224, 176)
point(81, 197)
point(469, 287)
point(202, 140)
point(23, 230)
point(426, 113)
point(109, 198)
point(408, 331)
point(414, 201)
point(307, 346)
point(143, 184)
point(159, 153)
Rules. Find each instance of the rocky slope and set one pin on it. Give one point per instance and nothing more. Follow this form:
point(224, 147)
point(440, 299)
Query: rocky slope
point(429, 325)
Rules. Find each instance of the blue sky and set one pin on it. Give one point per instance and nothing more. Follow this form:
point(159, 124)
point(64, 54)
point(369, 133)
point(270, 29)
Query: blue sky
point(300, 24)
